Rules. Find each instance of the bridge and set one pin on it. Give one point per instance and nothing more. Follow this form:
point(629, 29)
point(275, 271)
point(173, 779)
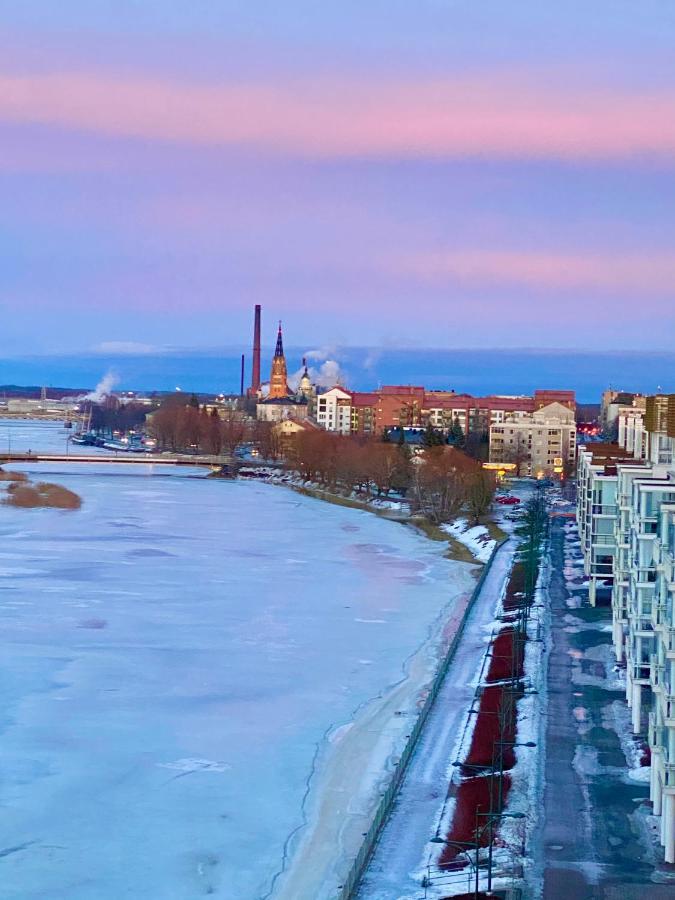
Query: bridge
point(216, 463)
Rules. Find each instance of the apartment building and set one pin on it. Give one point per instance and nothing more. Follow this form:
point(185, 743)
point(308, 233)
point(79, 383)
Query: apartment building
point(648, 496)
point(334, 410)
point(631, 432)
point(597, 503)
point(392, 406)
point(626, 516)
point(541, 443)
point(662, 715)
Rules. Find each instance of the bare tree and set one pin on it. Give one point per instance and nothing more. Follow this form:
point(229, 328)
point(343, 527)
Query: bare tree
point(480, 494)
point(438, 489)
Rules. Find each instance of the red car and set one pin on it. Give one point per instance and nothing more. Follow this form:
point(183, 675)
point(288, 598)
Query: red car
point(508, 501)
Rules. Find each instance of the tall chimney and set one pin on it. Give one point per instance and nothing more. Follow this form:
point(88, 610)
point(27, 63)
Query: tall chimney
point(255, 376)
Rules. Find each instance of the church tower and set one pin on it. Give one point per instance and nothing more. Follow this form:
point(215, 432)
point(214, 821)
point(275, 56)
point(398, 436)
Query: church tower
point(305, 388)
point(279, 377)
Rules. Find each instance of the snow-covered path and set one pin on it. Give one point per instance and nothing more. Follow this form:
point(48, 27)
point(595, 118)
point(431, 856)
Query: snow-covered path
point(402, 853)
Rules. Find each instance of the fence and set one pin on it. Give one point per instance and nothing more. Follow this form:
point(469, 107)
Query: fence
point(348, 889)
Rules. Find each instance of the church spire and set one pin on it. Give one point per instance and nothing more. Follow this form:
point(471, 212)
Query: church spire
point(279, 378)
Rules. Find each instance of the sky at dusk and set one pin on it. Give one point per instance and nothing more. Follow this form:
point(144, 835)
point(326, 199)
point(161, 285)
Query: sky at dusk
point(384, 174)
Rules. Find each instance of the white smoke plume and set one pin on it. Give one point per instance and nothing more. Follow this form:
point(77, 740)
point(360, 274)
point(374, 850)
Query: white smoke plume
point(103, 389)
point(327, 375)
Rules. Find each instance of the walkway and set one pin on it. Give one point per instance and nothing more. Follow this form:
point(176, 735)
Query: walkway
point(397, 865)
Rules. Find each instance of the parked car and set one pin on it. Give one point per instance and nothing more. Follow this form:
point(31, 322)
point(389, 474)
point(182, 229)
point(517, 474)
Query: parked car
point(508, 501)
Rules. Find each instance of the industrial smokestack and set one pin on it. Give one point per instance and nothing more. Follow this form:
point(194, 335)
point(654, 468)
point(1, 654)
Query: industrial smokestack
point(255, 375)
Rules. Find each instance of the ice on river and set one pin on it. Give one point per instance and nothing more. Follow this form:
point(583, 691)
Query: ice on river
point(48, 437)
point(182, 661)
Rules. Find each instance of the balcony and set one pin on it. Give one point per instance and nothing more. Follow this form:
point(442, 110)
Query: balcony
point(657, 674)
point(668, 640)
point(658, 613)
point(670, 712)
point(603, 509)
point(669, 775)
point(641, 673)
point(656, 734)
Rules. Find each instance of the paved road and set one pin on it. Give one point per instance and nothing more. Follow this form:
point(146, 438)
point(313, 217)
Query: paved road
point(596, 842)
point(403, 847)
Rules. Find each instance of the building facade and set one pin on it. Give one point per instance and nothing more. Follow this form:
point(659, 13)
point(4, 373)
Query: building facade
point(626, 517)
point(541, 443)
point(334, 410)
point(411, 406)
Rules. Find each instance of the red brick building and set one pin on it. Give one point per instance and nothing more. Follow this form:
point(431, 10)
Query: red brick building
point(412, 406)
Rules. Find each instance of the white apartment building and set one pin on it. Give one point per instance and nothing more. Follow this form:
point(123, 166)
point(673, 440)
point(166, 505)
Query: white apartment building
point(648, 495)
point(626, 515)
point(627, 472)
point(662, 715)
point(334, 410)
point(597, 484)
point(541, 443)
point(632, 434)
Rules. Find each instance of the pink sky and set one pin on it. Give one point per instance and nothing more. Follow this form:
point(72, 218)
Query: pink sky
point(368, 178)
point(502, 114)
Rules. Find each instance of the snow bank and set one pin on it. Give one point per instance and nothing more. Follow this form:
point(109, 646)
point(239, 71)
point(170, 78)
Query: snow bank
point(476, 538)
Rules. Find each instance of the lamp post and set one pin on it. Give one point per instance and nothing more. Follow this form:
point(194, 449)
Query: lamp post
point(462, 847)
point(500, 788)
point(490, 816)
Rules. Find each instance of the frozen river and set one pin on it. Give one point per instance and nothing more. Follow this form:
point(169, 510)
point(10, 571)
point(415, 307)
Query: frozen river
point(202, 682)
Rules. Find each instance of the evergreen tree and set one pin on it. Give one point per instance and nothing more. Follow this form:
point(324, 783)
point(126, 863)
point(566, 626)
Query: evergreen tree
point(431, 437)
point(456, 433)
point(193, 401)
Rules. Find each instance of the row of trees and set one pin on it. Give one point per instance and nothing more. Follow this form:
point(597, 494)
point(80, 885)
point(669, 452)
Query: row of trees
point(474, 444)
point(110, 415)
point(439, 483)
point(185, 427)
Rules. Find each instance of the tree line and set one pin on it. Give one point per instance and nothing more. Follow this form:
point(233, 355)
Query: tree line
point(438, 483)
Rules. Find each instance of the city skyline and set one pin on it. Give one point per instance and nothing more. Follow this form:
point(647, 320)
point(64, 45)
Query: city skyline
point(380, 179)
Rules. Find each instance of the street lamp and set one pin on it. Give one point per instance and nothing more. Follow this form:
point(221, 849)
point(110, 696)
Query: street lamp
point(462, 847)
point(516, 744)
point(491, 816)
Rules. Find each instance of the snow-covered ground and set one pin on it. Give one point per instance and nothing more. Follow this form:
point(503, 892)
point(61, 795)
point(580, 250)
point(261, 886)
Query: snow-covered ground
point(476, 538)
point(203, 683)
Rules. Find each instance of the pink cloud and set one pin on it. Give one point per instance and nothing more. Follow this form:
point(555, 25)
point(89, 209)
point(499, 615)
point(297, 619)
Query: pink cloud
point(642, 274)
point(509, 115)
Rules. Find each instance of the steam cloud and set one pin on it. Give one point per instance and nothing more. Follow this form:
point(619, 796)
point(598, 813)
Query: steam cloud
point(102, 389)
point(327, 375)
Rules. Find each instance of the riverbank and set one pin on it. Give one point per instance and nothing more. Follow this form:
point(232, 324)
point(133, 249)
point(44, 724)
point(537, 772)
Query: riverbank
point(355, 767)
point(461, 542)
